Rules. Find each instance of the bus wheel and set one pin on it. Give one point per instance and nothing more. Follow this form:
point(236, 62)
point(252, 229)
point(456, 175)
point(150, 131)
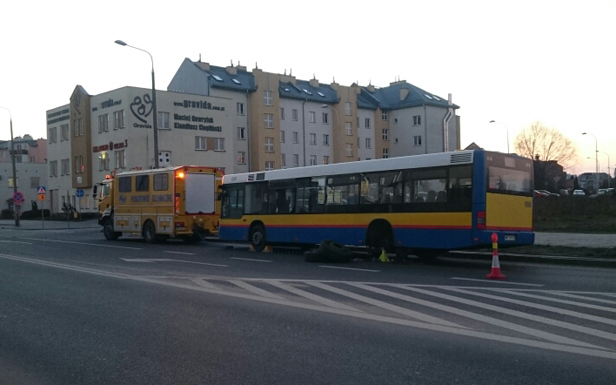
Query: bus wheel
point(257, 237)
point(379, 237)
point(149, 232)
point(110, 235)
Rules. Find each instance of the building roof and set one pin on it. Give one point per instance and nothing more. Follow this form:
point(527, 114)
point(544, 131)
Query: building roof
point(389, 97)
point(220, 78)
point(304, 91)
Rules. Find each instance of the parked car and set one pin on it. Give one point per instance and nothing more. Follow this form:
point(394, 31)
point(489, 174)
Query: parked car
point(579, 193)
point(602, 191)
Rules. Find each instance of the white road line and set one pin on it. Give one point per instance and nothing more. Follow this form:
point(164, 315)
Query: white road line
point(519, 314)
point(310, 296)
point(537, 306)
point(252, 260)
point(139, 260)
point(371, 317)
point(583, 298)
point(178, 252)
point(25, 243)
point(563, 301)
point(203, 283)
point(388, 306)
point(83, 243)
point(492, 281)
point(349, 268)
point(255, 290)
point(169, 260)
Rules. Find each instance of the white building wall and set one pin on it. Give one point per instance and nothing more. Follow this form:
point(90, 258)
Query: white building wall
point(57, 186)
point(236, 120)
point(318, 128)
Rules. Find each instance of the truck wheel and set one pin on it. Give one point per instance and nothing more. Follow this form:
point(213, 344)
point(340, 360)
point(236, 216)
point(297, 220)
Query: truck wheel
point(149, 232)
point(110, 235)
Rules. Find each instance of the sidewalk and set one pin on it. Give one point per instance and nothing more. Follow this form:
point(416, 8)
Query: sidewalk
point(32, 224)
point(576, 240)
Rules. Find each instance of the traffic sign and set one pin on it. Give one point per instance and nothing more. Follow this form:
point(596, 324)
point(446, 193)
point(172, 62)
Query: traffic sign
point(41, 190)
point(79, 193)
point(18, 198)
point(41, 197)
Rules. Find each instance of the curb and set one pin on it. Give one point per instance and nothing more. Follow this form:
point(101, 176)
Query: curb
point(553, 259)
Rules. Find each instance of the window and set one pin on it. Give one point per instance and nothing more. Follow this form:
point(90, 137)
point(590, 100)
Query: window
point(281, 113)
point(416, 120)
point(241, 133)
point(325, 140)
point(53, 134)
point(201, 143)
point(349, 149)
point(269, 165)
point(349, 129)
point(367, 122)
point(77, 163)
point(313, 139)
point(417, 140)
point(325, 159)
point(124, 184)
point(78, 123)
point(312, 117)
point(66, 167)
point(269, 120)
point(358, 143)
point(282, 136)
point(64, 132)
point(104, 162)
point(240, 108)
point(103, 123)
point(11, 184)
point(163, 120)
point(295, 160)
point(120, 159)
point(368, 143)
point(142, 183)
point(395, 120)
point(161, 182)
point(295, 137)
point(347, 109)
point(283, 160)
point(385, 134)
point(384, 115)
point(241, 157)
point(269, 144)
point(325, 118)
point(267, 98)
point(294, 114)
point(34, 181)
point(219, 144)
point(313, 160)
point(385, 153)
point(118, 119)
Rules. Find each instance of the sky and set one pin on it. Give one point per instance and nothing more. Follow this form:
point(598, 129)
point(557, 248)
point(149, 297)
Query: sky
point(514, 62)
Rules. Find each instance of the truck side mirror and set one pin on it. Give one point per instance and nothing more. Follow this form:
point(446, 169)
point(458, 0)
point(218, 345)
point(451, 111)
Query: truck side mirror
point(94, 190)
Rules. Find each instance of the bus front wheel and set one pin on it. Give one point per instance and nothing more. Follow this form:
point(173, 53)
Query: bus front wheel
point(257, 237)
point(149, 232)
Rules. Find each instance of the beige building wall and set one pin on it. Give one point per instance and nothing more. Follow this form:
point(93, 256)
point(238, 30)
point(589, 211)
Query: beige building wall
point(81, 139)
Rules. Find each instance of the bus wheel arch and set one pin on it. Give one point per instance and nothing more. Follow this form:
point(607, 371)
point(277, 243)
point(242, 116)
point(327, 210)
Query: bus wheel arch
point(256, 235)
point(149, 231)
point(380, 235)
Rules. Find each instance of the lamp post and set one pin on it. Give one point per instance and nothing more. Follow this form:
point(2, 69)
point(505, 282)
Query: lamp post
point(333, 132)
point(14, 169)
point(155, 116)
point(506, 128)
point(608, 169)
point(596, 162)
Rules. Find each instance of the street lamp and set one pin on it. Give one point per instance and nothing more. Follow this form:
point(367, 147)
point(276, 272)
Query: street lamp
point(14, 169)
point(506, 128)
point(155, 117)
point(333, 131)
point(596, 162)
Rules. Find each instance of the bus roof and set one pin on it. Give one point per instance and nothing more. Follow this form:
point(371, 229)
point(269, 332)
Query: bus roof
point(374, 165)
point(170, 168)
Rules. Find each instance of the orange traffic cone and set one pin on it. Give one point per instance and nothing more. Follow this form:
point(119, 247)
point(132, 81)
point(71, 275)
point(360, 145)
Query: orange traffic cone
point(496, 271)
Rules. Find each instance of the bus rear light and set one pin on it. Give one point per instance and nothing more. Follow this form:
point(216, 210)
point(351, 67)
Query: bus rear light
point(481, 220)
point(177, 203)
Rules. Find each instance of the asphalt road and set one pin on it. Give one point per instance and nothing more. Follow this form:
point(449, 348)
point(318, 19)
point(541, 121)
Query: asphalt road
point(76, 309)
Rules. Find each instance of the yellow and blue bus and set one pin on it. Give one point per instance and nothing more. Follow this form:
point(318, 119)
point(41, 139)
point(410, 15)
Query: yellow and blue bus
point(422, 205)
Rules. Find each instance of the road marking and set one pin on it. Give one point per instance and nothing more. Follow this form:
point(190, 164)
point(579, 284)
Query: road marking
point(564, 301)
point(583, 298)
point(537, 306)
point(146, 260)
point(255, 290)
point(203, 283)
point(501, 282)
point(519, 314)
point(252, 260)
point(25, 243)
point(371, 317)
point(349, 268)
point(178, 252)
point(83, 243)
point(388, 306)
point(310, 296)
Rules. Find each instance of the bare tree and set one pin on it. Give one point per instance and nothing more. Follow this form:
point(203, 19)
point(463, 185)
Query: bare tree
point(546, 144)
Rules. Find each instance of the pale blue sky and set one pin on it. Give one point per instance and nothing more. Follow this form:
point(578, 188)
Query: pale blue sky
point(512, 61)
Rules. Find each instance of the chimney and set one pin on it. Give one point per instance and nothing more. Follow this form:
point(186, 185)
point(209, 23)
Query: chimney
point(240, 67)
point(314, 82)
point(204, 66)
point(403, 93)
point(371, 88)
point(231, 70)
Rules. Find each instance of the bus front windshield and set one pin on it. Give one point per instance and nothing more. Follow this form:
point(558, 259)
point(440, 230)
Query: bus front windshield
point(509, 174)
